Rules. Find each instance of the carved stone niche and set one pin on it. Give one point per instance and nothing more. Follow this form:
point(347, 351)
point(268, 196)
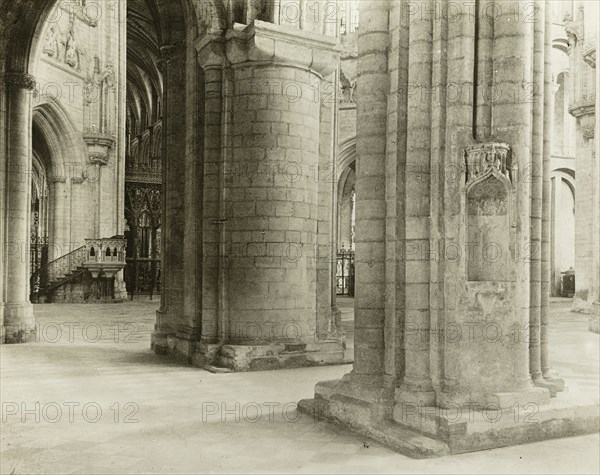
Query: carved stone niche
point(489, 177)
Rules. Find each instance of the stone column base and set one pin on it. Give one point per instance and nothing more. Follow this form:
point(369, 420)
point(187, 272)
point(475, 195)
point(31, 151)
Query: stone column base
point(430, 431)
point(19, 323)
point(120, 288)
point(594, 323)
point(581, 303)
point(269, 356)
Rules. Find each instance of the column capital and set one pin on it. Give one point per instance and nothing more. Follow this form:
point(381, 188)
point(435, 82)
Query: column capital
point(20, 80)
point(265, 42)
point(58, 179)
point(211, 51)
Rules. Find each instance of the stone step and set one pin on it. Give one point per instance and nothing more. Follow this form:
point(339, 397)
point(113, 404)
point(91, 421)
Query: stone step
point(388, 433)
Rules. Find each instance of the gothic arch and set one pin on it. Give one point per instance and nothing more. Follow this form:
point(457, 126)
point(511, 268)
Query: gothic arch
point(345, 188)
point(67, 148)
point(346, 156)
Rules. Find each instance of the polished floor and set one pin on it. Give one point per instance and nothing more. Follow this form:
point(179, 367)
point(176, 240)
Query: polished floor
point(91, 398)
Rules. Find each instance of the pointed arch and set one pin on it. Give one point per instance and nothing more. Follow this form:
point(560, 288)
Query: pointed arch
point(66, 146)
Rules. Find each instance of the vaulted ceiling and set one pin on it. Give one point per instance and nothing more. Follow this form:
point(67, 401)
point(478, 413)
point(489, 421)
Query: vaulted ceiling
point(144, 80)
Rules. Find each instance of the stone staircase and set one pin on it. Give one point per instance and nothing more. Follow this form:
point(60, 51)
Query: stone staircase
point(100, 257)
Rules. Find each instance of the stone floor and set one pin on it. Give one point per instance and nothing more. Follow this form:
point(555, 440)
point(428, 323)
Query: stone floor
point(106, 404)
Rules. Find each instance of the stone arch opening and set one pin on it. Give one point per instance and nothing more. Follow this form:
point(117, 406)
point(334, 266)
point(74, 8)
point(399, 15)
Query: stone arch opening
point(23, 27)
point(562, 229)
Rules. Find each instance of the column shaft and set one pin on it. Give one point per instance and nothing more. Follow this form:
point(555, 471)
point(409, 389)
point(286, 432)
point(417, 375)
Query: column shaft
point(537, 189)
point(18, 313)
point(213, 182)
point(370, 290)
point(512, 124)
point(413, 209)
point(58, 245)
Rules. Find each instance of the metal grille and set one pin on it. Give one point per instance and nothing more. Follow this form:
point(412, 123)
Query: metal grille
point(345, 272)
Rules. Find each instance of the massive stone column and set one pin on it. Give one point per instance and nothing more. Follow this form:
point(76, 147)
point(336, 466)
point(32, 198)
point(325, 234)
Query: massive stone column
point(582, 54)
point(170, 315)
point(451, 308)
point(19, 324)
point(266, 300)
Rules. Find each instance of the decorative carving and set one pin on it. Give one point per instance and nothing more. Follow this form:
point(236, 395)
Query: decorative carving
point(20, 80)
point(589, 55)
point(572, 29)
point(100, 98)
point(348, 87)
point(58, 179)
point(105, 256)
point(51, 43)
point(588, 131)
point(490, 172)
point(76, 9)
point(63, 47)
point(143, 163)
point(488, 198)
point(487, 159)
point(98, 158)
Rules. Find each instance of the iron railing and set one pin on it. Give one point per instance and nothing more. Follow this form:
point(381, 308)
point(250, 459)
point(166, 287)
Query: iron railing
point(345, 272)
point(56, 272)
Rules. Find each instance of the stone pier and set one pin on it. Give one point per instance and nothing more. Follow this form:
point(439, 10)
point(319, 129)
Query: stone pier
point(264, 262)
point(452, 236)
point(18, 322)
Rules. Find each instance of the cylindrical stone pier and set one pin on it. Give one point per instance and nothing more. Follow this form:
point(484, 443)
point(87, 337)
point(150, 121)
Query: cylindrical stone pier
point(19, 322)
point(272, 204)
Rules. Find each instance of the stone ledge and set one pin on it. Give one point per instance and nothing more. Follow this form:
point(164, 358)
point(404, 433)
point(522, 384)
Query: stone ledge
point(357, 416)
point(434, 432)
point(220, 358)
point(242, 358)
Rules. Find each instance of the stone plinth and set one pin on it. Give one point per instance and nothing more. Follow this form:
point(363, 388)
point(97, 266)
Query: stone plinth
point(430, 431)
point(452, 241)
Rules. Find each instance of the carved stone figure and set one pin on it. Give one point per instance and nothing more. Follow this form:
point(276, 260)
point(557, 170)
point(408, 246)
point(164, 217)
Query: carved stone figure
point(51, 43)
point(71, 52)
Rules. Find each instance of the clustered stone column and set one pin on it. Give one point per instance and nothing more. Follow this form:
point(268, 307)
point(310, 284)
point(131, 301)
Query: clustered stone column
point(582, 54)
point(451, 310)
point(19, 323)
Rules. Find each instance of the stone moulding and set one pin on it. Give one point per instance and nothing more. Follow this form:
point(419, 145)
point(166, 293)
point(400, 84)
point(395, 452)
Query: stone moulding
point(265, 42)
point(483, 160)
point(20, 80)
point(99, 139)
point(98, 146)
point(583, 108)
